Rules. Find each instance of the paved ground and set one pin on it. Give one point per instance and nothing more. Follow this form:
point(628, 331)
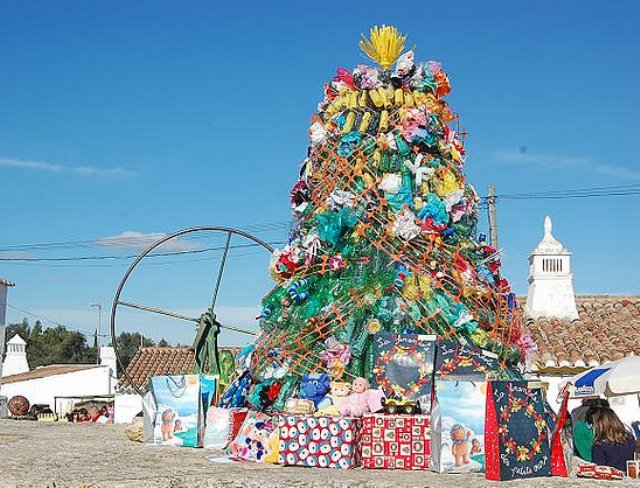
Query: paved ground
point(55, 455)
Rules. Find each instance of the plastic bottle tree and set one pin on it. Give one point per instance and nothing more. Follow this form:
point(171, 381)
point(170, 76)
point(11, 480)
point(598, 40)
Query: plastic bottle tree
point(384, 235)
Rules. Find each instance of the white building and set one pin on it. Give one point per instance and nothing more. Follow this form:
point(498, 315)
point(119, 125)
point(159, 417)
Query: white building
point(15, 361)
point(550, 279)
point(57, 384)
point(576, 333)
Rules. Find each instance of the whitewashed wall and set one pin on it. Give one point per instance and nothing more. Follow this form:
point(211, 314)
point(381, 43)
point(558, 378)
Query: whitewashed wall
point(126, 407)
point(94, 381)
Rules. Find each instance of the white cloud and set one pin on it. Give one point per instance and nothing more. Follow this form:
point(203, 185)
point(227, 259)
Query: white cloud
point(137, 241)
point(91, 171)
point(16, 255)
point(559, 161)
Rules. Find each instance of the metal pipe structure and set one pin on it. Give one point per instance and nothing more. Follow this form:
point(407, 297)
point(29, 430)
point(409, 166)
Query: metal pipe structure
point(116, 300)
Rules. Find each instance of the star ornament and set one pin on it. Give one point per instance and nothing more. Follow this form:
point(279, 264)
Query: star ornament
point(421, 173)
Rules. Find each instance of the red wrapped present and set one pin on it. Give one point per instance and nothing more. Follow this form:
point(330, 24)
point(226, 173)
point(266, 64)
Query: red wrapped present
point(320, 442)
point(396, 441)
point(599, 472)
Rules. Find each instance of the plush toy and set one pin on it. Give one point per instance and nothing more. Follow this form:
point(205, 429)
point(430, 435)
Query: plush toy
point(339, 392)
point(362, 399)
point(314, 387)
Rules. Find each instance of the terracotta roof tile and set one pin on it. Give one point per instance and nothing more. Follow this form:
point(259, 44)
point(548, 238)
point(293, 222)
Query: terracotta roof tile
point(608, 329)
point(158, 361)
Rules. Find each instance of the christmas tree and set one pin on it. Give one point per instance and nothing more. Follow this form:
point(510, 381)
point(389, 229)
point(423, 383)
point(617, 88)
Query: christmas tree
point(385, 230)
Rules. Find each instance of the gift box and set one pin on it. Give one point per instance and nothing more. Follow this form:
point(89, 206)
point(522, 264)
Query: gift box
point(257, 439)
point(222, 426)
point(516, 431)
point(174, 410)
point(404, 367)
point(458, 416)
point(458, 359)
point(396, 441)
point(593, 471)
point(319, 442)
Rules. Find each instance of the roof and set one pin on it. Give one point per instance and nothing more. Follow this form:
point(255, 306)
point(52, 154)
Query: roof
point(158, 361)
point(608, 329)
point(47, 371)
point(16, 339)
point(6, 282)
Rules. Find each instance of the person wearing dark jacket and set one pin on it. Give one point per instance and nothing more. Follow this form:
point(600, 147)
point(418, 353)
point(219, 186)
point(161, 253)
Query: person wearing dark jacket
point(613, 445)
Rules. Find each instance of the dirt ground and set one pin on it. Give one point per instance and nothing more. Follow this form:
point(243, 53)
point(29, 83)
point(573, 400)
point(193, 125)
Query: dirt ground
point(57, 455)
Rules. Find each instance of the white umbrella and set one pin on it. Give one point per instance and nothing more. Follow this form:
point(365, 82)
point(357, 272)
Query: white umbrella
point(609, 379)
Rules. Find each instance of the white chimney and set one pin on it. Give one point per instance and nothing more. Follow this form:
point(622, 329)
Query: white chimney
point(550, 280)
point(16, 360)
point(108, 358)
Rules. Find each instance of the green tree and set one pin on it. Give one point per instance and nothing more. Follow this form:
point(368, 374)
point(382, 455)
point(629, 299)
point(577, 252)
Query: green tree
point(128, 345)
point(54, 345)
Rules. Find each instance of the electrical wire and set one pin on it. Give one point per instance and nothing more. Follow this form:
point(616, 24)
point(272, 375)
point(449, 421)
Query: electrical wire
point(593, 192)
point(131, 256)
point(131, 240)
point(40, 317)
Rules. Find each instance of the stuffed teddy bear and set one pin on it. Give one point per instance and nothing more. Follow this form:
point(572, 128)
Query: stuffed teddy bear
point(362, 399)
point(314, 387)
point(337, 395)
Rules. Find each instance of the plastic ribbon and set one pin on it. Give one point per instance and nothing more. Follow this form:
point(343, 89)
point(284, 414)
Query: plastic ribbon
point(312, 245)
point(405, 225)
point(391, 183)
point(317, 134)
point(340, 198)
point(421, 173)
point(348, 143)
point(332, 224)
point(367, 76)
point(435, 209)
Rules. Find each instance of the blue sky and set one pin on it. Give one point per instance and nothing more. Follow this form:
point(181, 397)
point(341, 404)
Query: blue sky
point(152, 116)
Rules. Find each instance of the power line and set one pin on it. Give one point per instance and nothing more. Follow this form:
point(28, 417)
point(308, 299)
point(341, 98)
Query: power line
point(593, 192)
point(133, 256)
point(124, 240)
point(40, 317)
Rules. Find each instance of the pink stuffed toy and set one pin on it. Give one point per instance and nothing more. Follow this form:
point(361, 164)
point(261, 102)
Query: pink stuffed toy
point(361, 400)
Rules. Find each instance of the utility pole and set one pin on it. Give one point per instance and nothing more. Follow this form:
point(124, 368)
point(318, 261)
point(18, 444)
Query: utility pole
point(99, 307)
point(4, 285)
point(493, 224)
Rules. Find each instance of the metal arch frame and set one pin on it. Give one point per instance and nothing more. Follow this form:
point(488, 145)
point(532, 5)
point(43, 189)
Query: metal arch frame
point(116, 300)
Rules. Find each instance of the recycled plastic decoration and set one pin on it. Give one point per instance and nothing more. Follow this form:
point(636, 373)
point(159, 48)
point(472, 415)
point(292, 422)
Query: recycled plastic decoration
point(385, 236)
